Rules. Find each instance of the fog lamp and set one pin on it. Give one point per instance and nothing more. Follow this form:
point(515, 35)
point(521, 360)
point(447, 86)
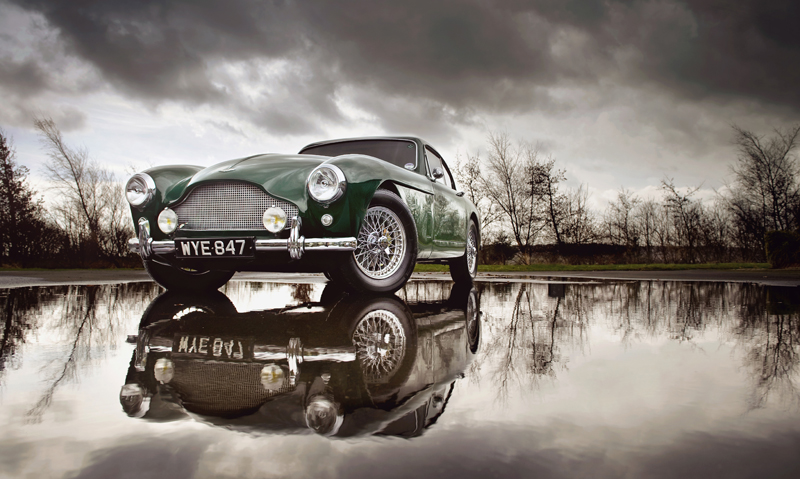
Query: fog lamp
point(164, 370)
point(168, 221)
point(272, 377)
point(274, 219)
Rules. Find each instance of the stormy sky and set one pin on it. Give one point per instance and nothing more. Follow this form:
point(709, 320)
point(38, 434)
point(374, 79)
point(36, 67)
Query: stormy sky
point(622, 93)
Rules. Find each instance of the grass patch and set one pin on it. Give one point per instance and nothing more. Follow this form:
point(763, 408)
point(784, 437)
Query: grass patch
point(499, 268)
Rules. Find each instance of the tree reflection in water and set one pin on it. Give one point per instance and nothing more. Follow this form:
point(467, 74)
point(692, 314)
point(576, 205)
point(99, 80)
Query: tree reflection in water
point(84, 319)
point(20, 306)
point(526, 344)
point(532, 329)
point(771, 339)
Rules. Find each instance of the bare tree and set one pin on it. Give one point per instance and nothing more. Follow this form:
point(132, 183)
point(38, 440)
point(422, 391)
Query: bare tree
point(687, 218)
point(508, 182)
point(646, 219)
point(92, 211)
point(468, 178)
point(765, 194)
point(578, 225)
point(618, 222)
point(544, 179)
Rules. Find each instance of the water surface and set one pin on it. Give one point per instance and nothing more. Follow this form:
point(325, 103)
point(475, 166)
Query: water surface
point(594, 379)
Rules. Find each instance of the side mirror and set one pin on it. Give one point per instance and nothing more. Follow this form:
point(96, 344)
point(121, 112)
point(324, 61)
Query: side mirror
point(437, 173)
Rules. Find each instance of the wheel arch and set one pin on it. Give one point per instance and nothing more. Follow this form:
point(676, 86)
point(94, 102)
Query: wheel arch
point(390, 186)
point(366, 175)
point(473, 217)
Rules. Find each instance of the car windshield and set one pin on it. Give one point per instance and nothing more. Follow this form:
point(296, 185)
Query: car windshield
point(396, 152)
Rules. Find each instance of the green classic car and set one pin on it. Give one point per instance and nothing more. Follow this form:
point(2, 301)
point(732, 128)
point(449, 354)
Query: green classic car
point(363, 211)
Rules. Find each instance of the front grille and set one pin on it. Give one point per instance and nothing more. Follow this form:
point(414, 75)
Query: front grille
point(220, 388)
point(229, 205)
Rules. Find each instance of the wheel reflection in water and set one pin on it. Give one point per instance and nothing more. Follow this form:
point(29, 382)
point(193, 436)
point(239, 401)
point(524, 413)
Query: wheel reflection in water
point(380, 344)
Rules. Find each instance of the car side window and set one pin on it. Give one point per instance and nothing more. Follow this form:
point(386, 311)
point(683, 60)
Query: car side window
point(435, 161)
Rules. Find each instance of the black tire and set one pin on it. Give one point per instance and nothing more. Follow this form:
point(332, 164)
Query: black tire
point(170, 303)
point(175, 279)
point(464, 269)
point(369, 268)
point(473, 315)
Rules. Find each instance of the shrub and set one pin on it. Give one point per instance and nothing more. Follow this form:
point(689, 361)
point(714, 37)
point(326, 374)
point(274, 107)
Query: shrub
point(783, 248)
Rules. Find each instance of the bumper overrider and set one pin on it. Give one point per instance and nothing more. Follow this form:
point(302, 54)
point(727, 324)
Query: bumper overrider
point(296, 244)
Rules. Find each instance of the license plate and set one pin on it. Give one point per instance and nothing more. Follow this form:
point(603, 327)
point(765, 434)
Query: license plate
point(214, 247)
point(212, 347)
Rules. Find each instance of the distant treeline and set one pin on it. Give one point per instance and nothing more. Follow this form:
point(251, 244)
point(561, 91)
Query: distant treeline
point(529, 217)
point(527, 214)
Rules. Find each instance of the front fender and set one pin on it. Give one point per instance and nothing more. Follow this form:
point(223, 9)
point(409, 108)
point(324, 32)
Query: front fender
point(365, 174)
point(171, 182)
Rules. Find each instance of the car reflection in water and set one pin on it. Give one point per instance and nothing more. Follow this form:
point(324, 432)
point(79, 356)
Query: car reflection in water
point(348, 365)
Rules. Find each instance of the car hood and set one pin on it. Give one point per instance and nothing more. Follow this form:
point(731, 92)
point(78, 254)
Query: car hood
point(283, 176)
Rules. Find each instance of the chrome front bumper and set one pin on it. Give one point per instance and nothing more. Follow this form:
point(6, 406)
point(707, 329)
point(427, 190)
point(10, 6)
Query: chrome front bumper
point(296, 244)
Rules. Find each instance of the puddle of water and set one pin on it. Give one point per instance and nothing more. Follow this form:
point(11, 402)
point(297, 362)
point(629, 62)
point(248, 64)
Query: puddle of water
point(663, 379)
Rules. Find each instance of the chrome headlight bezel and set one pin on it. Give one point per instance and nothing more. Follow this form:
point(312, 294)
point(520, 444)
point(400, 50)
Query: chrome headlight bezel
point(334, 184)
point(140, 190)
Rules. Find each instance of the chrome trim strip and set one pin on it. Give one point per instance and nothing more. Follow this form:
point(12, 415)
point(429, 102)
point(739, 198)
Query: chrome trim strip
point(331, 244)
point(159, 349)
point(277, 353)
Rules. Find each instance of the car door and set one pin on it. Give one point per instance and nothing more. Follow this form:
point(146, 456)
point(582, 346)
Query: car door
point(449, 210)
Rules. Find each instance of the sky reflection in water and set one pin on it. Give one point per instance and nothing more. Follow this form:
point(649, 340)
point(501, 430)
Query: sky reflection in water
point(662, 379)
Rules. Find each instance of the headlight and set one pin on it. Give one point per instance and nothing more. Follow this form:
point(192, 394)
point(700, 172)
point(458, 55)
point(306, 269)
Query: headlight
point(274, 219)
point(326, 183)
point(168, 221)
point(140, 190)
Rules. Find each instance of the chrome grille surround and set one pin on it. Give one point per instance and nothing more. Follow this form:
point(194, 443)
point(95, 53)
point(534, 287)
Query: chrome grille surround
point(228, 206)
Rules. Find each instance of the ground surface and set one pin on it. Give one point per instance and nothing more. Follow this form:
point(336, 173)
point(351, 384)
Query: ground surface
point(20, 278)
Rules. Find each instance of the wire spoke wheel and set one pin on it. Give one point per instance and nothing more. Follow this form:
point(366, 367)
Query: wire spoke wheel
point(380, 344)
point(472, 251)
point(464, 268)
point(381, 243)
point(386, 248)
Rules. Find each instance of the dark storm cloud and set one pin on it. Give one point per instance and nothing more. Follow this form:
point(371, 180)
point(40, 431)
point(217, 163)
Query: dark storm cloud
point(25, 78)
point(456, 58)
